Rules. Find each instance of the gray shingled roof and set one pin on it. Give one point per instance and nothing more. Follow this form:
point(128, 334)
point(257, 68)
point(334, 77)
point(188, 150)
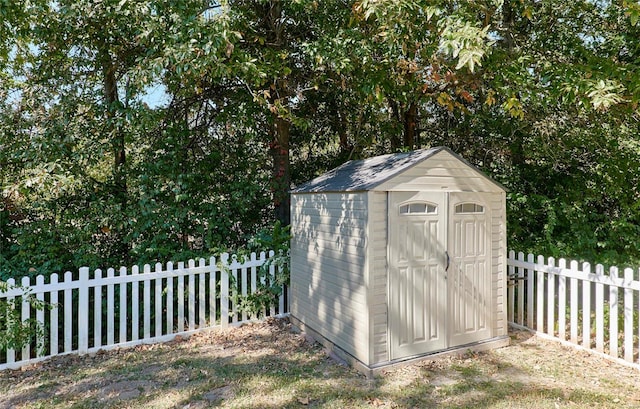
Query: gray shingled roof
point(365, 174)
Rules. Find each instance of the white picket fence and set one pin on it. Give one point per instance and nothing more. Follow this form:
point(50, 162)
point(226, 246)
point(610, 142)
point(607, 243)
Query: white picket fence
point(88, 312)
point(571, 302)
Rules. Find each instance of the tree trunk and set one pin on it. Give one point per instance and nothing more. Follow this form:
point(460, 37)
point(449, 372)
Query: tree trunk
point(395, 111)
point(281, 176)
point(119, 188)
point(410, 121)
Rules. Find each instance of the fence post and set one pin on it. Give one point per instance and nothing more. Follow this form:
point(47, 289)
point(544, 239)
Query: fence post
point(83, 311)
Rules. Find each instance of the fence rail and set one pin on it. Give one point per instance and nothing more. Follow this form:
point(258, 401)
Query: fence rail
point(89, 311)
point(569, 301)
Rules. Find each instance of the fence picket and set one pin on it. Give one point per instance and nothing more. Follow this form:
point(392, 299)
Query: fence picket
point(53, 315)
point(41, 339)
point(599, 308)
point(83, 311)
point(511, 292)
point(122, 337)
point(212, 292)
point(281, 295)
point(110, 309)
point(202, 297)
point(97, 309)
point(551, 298)
point(562, 301)
point(263, 280)
point(272, 275)
point(243, 288)
point(254, 275)
point(67, 311)
point(586, 308)
point(157, 301)
point(146, 303)
point(128, 307)
point(628, 316)
point(234, 290)
point(521, 294)
point(192, 298)
point(573, 294)
point(224, 290)
point(135, 305)
point(26, 315)
point(180, 297)
point(613, 314)
point(11, 353)
point(170, 317)
point(540, 301)
point(530, 289)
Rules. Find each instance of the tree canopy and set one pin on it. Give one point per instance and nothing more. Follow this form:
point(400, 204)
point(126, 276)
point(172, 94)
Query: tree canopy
point(259, 95)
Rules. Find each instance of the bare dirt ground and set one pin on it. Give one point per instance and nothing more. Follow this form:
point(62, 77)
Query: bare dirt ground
point(267, 365)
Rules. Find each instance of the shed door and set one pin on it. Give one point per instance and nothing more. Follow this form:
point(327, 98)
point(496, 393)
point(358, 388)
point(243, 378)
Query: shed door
point(439, 271)
point(469, 273)
point(417, 285)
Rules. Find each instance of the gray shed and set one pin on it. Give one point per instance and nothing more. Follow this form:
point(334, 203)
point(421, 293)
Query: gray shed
point(399, 257)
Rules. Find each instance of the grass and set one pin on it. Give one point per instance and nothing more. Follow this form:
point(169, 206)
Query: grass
point(268, 366)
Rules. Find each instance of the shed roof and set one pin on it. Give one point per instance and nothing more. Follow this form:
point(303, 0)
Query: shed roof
point(367, 174)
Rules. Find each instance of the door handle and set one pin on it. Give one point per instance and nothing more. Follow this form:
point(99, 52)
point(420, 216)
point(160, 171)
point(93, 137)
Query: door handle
point(446, 253)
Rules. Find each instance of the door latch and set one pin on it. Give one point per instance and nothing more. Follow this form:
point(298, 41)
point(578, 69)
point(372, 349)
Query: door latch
point(446, 253)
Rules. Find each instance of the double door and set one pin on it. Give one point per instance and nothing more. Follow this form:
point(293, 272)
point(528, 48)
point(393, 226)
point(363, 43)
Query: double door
point(439, 271)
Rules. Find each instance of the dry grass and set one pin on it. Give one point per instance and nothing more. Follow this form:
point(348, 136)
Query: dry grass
point(268, 366)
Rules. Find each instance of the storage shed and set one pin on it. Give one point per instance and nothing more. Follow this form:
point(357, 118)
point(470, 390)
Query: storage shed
point(399, 257)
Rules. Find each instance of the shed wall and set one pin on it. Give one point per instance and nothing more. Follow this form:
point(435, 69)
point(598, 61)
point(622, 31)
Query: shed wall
point(328, 264)
point(378, 225)
point(497, 202)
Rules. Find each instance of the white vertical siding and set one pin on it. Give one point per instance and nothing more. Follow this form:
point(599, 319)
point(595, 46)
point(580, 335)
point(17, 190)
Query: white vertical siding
point(328, 268)
point(378, 287)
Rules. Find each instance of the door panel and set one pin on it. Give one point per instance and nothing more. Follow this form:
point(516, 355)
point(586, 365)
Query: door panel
point(469, 273)
point(417, 286)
